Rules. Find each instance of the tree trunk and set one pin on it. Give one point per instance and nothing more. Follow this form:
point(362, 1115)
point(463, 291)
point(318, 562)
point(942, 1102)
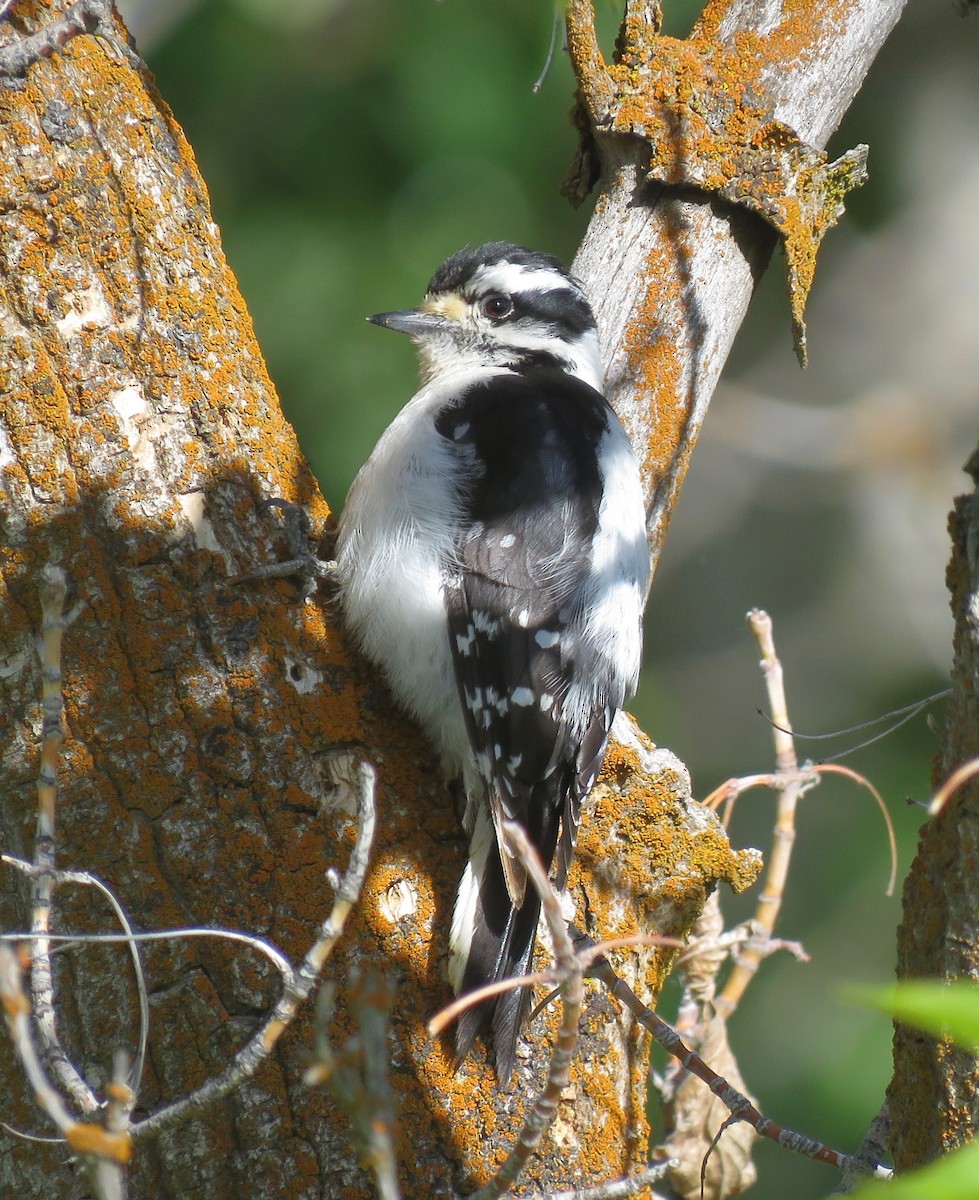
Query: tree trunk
point(214, 728)
point(934, 1096)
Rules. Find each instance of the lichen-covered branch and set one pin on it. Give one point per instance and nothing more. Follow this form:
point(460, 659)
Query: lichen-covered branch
point(704, 125)
point(84, 16)
point(684, 138)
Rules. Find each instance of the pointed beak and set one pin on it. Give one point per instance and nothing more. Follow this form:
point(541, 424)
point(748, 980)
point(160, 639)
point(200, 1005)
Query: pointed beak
point(415, 322)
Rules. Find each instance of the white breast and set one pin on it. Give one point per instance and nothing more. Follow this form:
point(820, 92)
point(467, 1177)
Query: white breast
point(395, 541)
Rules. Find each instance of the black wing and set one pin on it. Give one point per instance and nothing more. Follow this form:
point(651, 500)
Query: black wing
point(533, 509)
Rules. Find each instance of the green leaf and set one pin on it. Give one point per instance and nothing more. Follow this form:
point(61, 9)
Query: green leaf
point(944, 1009)
point(954, 1177)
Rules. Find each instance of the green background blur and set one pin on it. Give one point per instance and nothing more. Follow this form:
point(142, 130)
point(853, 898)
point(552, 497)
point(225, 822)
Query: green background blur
point(350, 145)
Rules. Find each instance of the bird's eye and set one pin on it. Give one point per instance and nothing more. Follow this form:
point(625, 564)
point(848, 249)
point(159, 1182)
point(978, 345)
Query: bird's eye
point(496, 306)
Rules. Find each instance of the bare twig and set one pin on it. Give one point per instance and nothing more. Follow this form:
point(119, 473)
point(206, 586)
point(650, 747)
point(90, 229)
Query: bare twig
point(829, 768)
point(17, 1010)
point(740, 1107)
point(692, 1115)
point(108, 1176)
point(555, 32)
point(746, 934)
point(31, 1137)
point(85, 879)
point(104, 1151)
point(552, 977)
point(795, 786)
point(272, 953)
point(614, 1189)
point(356, 1074)
point(298, 984)
point(968, 770)
point(873, 1148)
point(53, 590)
point(790, 782)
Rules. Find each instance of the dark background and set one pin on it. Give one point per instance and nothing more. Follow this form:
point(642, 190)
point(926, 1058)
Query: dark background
point(350, 145)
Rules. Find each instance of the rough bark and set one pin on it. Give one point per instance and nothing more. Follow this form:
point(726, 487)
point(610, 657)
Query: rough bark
point(212, 726)
point(934, 1096)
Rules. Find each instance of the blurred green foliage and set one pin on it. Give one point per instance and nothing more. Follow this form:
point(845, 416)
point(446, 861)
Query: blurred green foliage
point(349, 146)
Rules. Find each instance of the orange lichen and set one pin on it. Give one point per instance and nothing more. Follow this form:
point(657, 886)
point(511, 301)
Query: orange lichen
point(99, 1143)
point(702, 109)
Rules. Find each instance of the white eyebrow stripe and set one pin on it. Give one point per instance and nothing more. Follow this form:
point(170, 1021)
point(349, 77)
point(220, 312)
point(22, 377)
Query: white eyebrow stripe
point(512, 277)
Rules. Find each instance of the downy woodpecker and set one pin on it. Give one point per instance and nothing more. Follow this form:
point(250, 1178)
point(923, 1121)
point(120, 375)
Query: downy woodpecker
point(492, 563)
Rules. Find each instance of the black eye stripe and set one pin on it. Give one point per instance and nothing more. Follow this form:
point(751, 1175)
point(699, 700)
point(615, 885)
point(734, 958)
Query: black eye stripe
point(565, 310)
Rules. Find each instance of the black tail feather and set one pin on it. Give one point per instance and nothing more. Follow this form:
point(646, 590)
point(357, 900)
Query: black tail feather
point(496, 956)
point(502, 947)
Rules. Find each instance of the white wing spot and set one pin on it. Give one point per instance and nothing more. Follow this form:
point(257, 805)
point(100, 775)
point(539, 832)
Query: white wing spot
point(546, 638)
point(484, 623)
point(545, 701)
point(523, 697)
point(507, 541)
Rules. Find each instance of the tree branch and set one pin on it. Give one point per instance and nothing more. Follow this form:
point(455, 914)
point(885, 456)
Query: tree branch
point(671, 271)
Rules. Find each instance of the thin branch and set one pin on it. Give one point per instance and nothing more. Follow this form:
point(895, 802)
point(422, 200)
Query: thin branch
point(787, 768)
point(731, 942)
point(873, 1148)
point(726, 794)
point(104, 1151)
point(556, 24)
point(274, 955)
point(968, 770)
point(808, 775)
point(829, 768)
point(298, 985)
point(109, 1177)
point(85, 879)
point(31, 1137)
point(740, 1106)
point(356, 1073)
point(790, 782)
point(17, 1010)
point(53, 591)
point(910, 711)
point(614, 1189)
point(551, 977)
point(904, 713)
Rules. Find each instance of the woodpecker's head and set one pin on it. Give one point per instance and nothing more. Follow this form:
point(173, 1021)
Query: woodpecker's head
point(503, 306)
